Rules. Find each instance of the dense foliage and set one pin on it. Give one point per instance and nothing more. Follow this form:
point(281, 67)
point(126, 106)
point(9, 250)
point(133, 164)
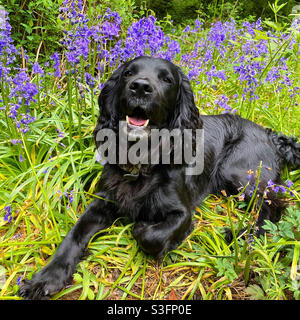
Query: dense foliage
point(180, 11)
point(48, 168)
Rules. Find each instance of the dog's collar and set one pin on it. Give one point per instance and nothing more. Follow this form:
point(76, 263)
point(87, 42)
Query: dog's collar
point(131, 176)
point(132, 172)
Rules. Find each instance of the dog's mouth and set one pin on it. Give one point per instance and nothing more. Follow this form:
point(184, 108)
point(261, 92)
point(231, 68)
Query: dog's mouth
point(137, 122)
point(138, 118)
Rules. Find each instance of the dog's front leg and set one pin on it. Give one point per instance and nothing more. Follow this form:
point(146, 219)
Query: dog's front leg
point(161, 237)
point(58, 272)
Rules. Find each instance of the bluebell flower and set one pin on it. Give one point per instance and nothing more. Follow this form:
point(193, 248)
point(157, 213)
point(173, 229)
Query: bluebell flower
point(270, 184)
point(19, 281)
point(46, 170)
point(36, 69)
point(15, 141)
point(89, 80)
point(7, 49)
point(22, 88)
point(56, 64)
point(8, 215)
point(187, 29)
point(289, 183)
point(60, 134)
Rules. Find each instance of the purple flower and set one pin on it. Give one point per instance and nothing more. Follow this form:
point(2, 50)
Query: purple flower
point(143, 36)
point(36, 69)
point(19, 281)
point(60, 134)
point(222, 102)
point(56, 64)
point(46, 170)
point(23, 122)
point(270, 184)
point(59, 194)
point(71, 198)
point(110, 30)
point(89, 80)
point(186, 29)
point(215, 73)
point(249, 28)
point(22, 88)
point(282, 189)
point(198, 25)
point(172, 50)
point(15, 141)
point(289, 183)
point(296, 24)
point(8, 215)
point(8, 209)
point(7, 49)
point(68, 196)
point(77, 41)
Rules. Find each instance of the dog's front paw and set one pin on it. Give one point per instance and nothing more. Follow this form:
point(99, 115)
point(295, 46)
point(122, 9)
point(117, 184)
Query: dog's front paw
point(151, 238)
point(44, 284)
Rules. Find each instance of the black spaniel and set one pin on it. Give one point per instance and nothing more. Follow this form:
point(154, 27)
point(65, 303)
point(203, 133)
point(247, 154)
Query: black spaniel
point(149, 94)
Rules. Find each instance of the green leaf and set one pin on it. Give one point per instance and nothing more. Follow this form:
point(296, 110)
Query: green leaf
point(281, 6)
point(285, 230)
point(261, 35)
point(91, 294)
point(225, 268)
point(27, 27)
point(255, 292)
point(274, 25)
point(77, 277)
point(270, 226)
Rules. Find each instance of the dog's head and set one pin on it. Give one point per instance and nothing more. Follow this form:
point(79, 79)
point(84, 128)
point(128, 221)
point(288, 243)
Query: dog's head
point(148, 93)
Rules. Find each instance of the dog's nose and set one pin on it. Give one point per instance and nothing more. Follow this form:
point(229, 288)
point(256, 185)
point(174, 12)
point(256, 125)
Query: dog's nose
point(141, 87)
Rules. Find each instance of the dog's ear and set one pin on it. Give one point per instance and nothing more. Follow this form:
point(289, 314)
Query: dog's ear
point(109, 103)
point(109, 99)
point(186, 114)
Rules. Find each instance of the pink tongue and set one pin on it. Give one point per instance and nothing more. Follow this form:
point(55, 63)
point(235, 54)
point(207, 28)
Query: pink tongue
point(136, 121)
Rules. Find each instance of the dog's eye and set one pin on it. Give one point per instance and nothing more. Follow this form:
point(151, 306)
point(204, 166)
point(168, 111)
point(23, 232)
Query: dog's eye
point(167, 80)
point(128, 74)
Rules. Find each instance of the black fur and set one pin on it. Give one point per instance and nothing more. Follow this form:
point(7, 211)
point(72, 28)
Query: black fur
point(161, 198)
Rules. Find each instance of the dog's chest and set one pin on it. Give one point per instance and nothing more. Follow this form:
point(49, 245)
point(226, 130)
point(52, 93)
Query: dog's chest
point(134, 197)
point(139, 201)
point(141, 198)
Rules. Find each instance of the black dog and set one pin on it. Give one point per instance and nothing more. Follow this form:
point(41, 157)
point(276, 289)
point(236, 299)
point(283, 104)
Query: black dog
point(160, 199)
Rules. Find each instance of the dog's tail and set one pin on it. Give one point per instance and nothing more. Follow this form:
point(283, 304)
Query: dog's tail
point(287, 147)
